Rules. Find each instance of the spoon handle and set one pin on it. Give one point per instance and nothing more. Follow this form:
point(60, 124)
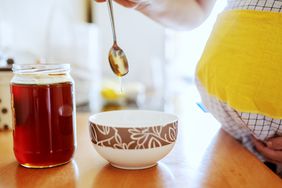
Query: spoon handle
point(110, 9)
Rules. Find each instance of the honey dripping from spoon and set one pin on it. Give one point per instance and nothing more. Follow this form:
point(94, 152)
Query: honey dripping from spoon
point(117, 58)
point(118, 61)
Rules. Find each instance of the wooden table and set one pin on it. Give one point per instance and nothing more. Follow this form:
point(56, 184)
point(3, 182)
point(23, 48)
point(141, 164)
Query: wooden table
point(204, 156)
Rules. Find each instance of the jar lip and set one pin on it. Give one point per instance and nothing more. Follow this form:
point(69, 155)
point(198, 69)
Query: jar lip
point(40, 68)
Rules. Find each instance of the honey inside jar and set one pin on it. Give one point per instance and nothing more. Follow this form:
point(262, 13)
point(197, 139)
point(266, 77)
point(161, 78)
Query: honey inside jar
point(43, 117)
point(43, 133)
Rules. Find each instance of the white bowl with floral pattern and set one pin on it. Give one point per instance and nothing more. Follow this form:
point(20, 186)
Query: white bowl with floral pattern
point(133, 139)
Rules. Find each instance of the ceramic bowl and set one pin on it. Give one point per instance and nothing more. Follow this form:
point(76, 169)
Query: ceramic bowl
point(133, 139)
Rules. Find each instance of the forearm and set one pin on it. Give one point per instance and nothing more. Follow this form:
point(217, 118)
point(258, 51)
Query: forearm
point(178, 14)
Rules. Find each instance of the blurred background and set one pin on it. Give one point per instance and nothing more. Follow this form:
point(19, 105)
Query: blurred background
point(161, 61)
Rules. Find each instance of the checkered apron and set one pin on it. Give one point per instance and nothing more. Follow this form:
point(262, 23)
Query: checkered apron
point(242, 125)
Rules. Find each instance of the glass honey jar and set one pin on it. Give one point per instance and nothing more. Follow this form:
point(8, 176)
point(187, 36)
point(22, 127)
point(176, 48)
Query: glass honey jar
point(44, 123)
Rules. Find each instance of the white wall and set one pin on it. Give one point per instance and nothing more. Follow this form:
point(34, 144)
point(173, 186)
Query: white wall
point(29, 21)
point(52, 29)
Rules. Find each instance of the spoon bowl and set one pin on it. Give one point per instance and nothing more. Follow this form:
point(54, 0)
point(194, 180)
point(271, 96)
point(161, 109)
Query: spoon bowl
point(118, 61)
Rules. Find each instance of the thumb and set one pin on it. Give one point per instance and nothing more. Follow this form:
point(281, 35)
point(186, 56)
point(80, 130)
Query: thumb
point(275, 143)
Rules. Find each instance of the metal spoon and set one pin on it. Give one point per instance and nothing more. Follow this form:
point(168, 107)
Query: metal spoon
point(117, 58)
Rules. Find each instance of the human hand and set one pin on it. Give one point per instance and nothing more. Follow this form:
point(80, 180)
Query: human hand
point(181, 14)
point(129, 3)
point(272, 150)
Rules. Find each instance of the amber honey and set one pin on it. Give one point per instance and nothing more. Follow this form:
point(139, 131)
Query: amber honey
point(43, 119)
point(43, 133)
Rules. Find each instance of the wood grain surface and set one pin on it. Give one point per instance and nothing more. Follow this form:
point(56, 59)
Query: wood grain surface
point(196, 161)
point(204, 156)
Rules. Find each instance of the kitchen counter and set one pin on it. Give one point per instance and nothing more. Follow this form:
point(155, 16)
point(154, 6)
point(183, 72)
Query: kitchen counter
point(204, 156)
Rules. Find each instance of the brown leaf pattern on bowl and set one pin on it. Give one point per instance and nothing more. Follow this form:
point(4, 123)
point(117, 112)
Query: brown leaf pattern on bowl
point(133, 138)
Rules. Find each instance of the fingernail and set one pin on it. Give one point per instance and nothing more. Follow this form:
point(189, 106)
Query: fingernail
point(269, 143)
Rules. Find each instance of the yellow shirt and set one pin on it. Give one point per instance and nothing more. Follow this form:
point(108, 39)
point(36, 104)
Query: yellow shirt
point(242, 62)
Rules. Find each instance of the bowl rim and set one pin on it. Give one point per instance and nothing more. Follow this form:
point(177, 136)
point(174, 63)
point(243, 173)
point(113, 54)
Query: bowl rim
point(173, 120)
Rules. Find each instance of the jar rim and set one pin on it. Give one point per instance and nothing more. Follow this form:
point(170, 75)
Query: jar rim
point(40, 68)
